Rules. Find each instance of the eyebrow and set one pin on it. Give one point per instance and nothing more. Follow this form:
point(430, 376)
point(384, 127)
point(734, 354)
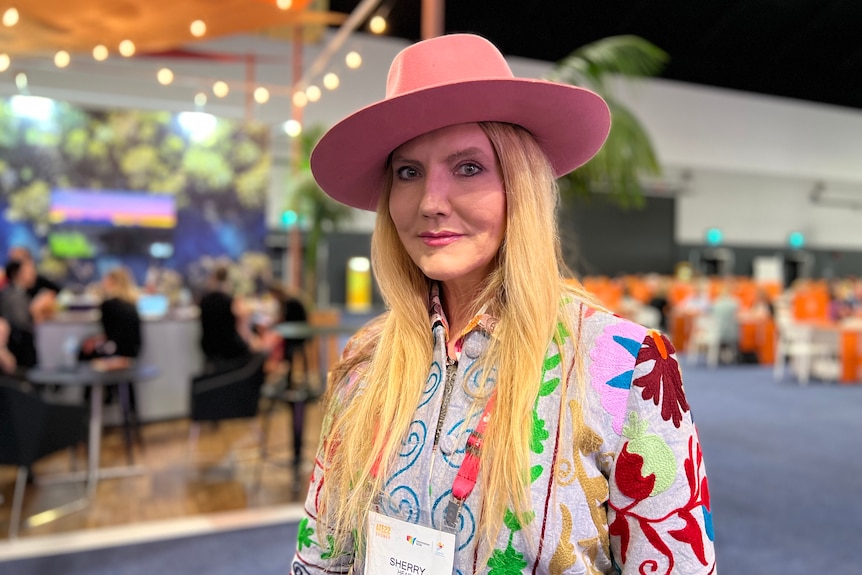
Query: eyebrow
point(454, 156)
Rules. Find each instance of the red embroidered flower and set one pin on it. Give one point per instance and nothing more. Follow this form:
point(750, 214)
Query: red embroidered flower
point(663, 382)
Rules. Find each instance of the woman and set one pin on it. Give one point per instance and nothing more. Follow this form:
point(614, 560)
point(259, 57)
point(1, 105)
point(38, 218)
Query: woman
point(497, 419)
point(121, 323)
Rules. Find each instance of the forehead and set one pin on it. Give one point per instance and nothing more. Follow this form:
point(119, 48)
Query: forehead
point(453, 138)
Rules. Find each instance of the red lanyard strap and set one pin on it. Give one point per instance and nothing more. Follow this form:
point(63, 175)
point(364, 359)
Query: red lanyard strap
point(468, 473)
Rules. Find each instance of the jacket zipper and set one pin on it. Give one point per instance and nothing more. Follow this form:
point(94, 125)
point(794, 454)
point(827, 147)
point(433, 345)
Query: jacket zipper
point(451, 370)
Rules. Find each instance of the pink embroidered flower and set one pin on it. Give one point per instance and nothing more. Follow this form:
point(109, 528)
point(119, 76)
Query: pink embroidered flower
point(612, 367)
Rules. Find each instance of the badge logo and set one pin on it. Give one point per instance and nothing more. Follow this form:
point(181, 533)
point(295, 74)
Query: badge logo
point(383, 531)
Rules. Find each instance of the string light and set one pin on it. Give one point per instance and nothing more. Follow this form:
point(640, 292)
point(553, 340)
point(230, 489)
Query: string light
point(165, 76)
point(377, 25)
point(261, 95)
point(300, 99)
point(284, 4)
point(313, 93)
point(127, 48)
point(10, 17)
point(220, 89)
point(5, 62)
point(331, 81)
point(100, 53)
point(62, 59)
point(353, 60)
point(292, 128)
point(21, 81)
point(198, 28)
point(200, 99)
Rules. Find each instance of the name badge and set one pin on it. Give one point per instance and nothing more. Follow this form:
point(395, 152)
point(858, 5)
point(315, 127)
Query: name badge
point(395, 547)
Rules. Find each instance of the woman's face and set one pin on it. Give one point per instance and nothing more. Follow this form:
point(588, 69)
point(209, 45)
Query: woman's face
point(448, 203)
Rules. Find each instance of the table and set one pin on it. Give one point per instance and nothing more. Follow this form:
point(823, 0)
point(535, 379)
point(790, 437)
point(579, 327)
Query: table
point(84, 375)
point(298, 398)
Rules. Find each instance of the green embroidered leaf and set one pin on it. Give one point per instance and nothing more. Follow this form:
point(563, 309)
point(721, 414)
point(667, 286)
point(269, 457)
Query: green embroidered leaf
point(540, 434)
point(634, 427)
point(303, 536)
point(562, 332)
point(535, 472)
point(513, 523)
point(548, 387)
point(552, 362)
point(330, 548)
point(508, 562)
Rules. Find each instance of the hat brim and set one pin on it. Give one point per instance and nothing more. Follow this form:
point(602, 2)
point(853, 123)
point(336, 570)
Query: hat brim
point(569, 123)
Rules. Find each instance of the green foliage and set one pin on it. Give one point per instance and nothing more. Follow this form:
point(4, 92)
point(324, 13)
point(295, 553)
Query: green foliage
point(313, 206)
point(508, 562)
point(628, 153)
point(303, 535)
point(131, 150)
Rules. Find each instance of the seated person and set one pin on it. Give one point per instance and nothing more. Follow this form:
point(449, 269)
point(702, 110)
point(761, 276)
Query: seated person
point(21, 254)
point(725, 310)
point(16, 307)
point(8, 364)
point(121, 323)
point(225, 335)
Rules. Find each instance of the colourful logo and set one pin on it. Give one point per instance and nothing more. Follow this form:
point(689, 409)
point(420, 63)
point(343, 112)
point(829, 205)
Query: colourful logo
point(439, 545)
point(411, 540)
point(382, 530)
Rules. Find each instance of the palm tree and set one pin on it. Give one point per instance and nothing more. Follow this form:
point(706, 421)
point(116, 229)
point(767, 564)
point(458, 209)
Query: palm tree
point(317, 213)
point(628, 153)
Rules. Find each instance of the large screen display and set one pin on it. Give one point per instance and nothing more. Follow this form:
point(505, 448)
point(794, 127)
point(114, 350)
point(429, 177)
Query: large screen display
point(112, 208)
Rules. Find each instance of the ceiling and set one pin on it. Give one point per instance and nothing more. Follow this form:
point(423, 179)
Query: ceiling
point(803, 49)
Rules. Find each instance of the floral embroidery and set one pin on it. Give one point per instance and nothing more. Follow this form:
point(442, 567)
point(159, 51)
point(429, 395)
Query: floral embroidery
point(691, 534)
point(611, 369)
point(663, 381)
point(646, 465)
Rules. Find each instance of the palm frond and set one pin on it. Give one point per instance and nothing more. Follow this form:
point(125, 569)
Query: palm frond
point(628, 153)
point(626, 55)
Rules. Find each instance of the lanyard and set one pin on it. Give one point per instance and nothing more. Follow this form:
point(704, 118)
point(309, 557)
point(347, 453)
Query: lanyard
point(468, 473)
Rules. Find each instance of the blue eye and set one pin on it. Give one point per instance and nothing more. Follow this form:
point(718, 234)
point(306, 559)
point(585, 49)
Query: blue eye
point(407, 172)
point(469, 169)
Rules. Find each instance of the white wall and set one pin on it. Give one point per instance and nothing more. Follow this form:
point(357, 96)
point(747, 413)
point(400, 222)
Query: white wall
point(753, 159)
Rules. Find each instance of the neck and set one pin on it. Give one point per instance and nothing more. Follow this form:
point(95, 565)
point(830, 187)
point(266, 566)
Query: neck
point(459, 305)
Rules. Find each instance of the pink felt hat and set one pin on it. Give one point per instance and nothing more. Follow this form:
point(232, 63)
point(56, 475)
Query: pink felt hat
point(449, 80)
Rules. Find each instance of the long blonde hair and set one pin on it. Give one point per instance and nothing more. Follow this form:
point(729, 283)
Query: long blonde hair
point(122, 284)
point(524, 293)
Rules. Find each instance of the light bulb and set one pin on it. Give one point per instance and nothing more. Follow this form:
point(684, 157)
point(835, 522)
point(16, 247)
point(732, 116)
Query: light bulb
point(5, 62)
point(198, 28)
point(292, 128)
point(378, 25)
point(10, 17)
point(313, 93)
point(127, 48)
point(284, 4)
point(200, 99)
point(353, 60)
point(220, 89)
point(62, 59)
point(165, 76)
point(300, 99)
point(331, 81)
point(261, 95)
point(100, 53)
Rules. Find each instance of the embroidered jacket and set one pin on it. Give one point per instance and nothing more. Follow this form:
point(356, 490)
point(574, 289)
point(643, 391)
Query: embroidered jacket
point(628, 495)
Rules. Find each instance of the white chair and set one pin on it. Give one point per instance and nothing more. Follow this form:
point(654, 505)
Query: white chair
point(705, 336)
point(795, 344)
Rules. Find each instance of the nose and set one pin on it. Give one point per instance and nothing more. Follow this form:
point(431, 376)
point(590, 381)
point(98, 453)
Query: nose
point(435, 196)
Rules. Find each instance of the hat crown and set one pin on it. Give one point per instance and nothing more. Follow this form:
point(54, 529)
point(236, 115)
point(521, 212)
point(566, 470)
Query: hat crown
point(444, 60)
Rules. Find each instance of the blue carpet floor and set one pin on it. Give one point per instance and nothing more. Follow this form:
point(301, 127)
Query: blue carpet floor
point(256, 551)
point(785, 470)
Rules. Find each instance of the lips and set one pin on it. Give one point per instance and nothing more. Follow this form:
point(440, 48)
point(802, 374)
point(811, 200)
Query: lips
point(438, 239)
